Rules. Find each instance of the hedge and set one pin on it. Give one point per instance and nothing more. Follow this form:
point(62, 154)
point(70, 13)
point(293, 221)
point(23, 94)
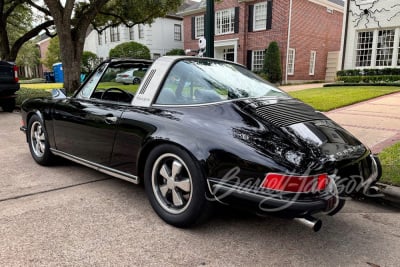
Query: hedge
point(370, 78)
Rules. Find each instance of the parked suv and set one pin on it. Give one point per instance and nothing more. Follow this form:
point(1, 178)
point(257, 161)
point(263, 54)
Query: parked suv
point(8, 85)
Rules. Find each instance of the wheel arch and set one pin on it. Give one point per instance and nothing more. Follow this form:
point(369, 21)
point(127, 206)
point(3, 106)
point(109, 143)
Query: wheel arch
point(149, 146)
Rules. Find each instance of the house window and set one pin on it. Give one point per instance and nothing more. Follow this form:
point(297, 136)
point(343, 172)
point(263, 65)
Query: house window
point(260, 16)
point(258, 60)
point(291, 59)
point(199, 26)
point(313, 56)
point(177, 32)
point(114, 34)
point(364, 48)
point(398, 53)
point(156, 55)
point(99, 38)
point(229, 54)
point(225, 21)
point(141, 31)
point(131, 33)
point(384, 49)
point(105, 37)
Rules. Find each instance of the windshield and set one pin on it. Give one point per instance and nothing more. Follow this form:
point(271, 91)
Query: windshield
point(199, 81)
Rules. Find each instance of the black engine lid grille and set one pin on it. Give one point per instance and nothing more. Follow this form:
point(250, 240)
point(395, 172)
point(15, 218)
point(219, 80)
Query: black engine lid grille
point(288, 113)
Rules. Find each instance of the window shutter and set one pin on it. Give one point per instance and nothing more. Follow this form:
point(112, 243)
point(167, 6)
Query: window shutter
point(237, 10)
point(193, 28)
point(269, 15)
point(251, 12)
point(249, 59)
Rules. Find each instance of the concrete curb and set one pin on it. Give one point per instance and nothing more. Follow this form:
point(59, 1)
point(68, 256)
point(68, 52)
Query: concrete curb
point(392, 193)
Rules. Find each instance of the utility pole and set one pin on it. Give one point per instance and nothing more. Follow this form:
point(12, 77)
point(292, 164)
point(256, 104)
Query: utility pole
point(210, 28)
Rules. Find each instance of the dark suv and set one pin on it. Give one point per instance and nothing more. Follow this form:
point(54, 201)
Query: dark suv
point(8, 85)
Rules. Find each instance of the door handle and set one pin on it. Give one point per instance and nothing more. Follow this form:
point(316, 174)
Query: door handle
point(111, 119)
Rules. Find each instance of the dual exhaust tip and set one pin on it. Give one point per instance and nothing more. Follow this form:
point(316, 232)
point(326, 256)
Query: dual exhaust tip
point(311, 222)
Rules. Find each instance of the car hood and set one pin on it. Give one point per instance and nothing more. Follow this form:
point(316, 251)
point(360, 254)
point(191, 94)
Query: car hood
point(295, 135)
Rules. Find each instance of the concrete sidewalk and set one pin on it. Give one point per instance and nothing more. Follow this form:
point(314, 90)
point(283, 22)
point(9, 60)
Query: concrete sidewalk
point(298, 87)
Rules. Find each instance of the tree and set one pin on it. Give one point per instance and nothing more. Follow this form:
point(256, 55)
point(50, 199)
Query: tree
point(272, 63)
point(72, 21)
point(16, 20)
point(28, 56)
point(176, 52)
point(130, 50)
point(89, 62)
point(53, 53)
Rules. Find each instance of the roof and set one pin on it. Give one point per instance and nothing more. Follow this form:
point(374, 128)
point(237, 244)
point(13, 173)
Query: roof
point(337, 2)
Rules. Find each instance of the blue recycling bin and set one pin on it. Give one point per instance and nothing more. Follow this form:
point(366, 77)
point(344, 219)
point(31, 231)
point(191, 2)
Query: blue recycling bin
point(58, 72)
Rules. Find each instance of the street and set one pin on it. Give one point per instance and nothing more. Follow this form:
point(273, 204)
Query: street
point(70, 215)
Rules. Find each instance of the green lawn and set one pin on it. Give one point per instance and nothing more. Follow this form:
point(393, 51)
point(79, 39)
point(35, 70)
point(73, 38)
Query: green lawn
point(328, 98)
point(390, 159)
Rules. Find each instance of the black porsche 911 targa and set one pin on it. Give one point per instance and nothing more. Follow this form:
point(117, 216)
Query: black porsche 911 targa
point(201, 130)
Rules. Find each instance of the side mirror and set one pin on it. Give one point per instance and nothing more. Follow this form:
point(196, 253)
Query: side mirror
point(59, 93)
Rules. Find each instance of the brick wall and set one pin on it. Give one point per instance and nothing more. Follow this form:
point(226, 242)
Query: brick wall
point(313, 28)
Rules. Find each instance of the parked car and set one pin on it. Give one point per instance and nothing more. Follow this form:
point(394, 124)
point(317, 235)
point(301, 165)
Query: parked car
point(131, 76)
point(201, 130)
point(8, 85)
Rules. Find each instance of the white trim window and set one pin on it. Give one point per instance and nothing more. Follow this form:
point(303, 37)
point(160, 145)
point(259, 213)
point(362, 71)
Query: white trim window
point(225, 21)
point(364, 48)
point(199, 26)
point(177, 32)
point(384, 48)
point(141, 31)
point(114, 34)
point(99, 38)
point(378, 48)
point(257, 61)
point(260, 16)
point(290, 61)
point(313, 56)
point(131, 33)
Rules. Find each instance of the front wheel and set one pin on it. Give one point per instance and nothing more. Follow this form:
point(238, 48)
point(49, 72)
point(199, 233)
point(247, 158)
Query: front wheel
point(38, 141)
point(175, 186)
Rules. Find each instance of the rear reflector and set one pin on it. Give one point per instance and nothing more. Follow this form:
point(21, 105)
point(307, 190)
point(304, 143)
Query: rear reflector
point(293, 183)
point(16, 74)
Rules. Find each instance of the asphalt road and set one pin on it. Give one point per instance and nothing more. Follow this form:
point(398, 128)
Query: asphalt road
point(69, 215)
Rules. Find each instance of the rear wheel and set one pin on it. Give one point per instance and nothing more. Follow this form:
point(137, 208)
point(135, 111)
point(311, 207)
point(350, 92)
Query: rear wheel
point(175, 186)
point(136, 80)
point(8, 105)
point(38, 141)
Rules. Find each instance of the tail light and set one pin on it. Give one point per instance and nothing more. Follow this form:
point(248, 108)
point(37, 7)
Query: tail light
point(294, 183)
point(15, 68)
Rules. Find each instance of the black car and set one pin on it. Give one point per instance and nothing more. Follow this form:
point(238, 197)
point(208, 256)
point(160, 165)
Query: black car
point(201, 130)
point(8, 85)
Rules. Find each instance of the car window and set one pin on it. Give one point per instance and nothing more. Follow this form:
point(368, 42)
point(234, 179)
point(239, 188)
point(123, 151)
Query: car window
point(199, 81)
point(114, 85)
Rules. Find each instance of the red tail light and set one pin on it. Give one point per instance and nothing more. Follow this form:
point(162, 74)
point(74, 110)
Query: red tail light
point(293, 183)
point(16, 74)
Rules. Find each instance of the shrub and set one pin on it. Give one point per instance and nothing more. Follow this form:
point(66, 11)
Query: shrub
point(176, 52)
point(26, 93)
point(272, 63)
point(130, 50)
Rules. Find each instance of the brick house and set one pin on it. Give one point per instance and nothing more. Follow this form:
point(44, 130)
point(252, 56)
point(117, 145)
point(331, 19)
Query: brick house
point(371, 38)
point(306, 31)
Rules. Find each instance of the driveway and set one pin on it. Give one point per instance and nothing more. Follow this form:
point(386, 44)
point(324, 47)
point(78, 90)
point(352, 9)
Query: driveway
point(71, 215)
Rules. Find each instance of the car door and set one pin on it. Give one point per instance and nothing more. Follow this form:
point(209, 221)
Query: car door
point(86, 128)
point(85, 125)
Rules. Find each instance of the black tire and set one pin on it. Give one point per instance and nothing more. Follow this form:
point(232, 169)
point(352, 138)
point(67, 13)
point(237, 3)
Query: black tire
point(8, 105)
point(38, 142)
point(136, 80)
point(188, 184)
point(338, 208)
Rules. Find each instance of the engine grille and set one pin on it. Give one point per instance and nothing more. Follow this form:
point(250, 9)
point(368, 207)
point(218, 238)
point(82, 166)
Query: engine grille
point(289, 113)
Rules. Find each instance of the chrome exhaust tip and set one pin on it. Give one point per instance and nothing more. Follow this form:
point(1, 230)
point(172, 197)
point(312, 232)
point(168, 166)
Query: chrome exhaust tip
point(311, 222)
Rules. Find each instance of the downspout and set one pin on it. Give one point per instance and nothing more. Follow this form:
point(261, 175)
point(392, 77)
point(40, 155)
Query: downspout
point(288, 40)
point(346, 25)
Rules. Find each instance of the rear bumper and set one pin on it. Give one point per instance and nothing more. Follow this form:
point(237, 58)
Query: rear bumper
point(260, 201)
